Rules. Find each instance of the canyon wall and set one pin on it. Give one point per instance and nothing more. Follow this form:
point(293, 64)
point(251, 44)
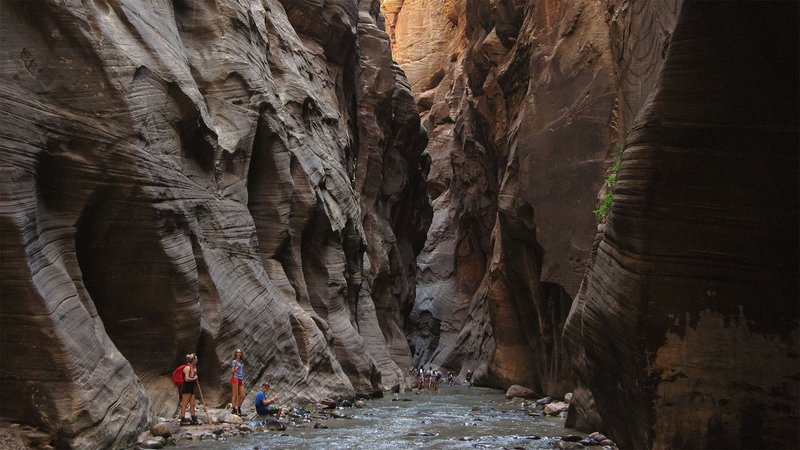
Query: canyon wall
point(689, 284)
point(526, 105)
point(183, 176)
point(687, 325)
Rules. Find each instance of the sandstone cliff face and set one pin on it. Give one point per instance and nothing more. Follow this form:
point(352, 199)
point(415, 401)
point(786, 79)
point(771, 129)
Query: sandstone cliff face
point(688, 321)
point(525, 104)
point(693, 281)
point(195, 176)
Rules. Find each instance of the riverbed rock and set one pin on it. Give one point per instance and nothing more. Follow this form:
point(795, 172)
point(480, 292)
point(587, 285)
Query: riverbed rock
point(165, 429)
point(156, 442)
point(521, 392)
point(360, 404)
point(555, 408)
point(568, 397)
point(206, 436)
point(327, 403)
point(273, 424)
point(597, 436)
point(232, 419)
point(144, 436)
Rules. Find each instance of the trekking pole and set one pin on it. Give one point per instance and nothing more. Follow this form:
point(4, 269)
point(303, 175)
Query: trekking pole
point(205, 407)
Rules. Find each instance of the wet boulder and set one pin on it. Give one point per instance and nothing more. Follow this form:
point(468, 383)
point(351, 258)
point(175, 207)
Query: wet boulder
point(165, 429)
point(273, 424)
point(156, 442)
point(144, 436)
point(338, 415)
point(232, 419)
point(327, 403)
point(554, 408)
point(598, 439)
point(520, 391)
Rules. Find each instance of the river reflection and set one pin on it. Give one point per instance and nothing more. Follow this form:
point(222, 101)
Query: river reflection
point(453, 417)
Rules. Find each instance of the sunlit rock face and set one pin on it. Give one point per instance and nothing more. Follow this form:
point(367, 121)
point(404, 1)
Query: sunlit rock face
point(526, 104)
point(183, 176)
point(688, 319)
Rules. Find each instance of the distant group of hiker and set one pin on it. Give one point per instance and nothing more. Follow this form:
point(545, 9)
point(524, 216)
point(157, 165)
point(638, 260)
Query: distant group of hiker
point(186, 379)
point(431, 378)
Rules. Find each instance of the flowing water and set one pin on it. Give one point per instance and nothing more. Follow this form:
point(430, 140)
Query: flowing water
point(452, 418)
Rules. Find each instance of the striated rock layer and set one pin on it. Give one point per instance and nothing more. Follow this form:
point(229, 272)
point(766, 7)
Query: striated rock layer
point(525, 104)
point(193, 177)
point(693, 281)
point(688, 323)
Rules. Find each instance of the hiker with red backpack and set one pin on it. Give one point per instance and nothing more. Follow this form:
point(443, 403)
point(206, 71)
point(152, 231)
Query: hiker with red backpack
point(188, 378)
point(237, 382)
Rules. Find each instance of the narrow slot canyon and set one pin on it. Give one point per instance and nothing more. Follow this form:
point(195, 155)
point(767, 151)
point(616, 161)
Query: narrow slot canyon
point(583, 214)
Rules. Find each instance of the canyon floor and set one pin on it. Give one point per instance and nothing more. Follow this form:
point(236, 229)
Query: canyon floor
point(452, 417)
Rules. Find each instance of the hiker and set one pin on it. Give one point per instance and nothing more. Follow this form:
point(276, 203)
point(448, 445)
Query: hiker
point(263, 406)
point(187, 389)
point(468, 378)
point(237, 382)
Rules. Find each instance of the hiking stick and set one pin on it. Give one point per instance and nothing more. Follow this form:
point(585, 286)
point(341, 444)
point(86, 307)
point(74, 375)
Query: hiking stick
point(205, 407)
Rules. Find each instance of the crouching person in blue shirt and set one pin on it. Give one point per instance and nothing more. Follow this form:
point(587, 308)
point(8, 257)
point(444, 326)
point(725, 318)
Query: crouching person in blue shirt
point(263, 405)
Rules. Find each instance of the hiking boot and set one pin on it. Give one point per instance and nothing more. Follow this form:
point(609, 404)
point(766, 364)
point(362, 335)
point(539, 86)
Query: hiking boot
point(185, 421)
point(239, 412)
point(194, 421)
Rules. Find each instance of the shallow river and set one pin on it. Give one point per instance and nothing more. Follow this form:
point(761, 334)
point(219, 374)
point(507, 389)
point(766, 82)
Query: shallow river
point(452, 418)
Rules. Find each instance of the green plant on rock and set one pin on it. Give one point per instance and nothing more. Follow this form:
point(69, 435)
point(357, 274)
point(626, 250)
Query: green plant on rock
point(608, 198)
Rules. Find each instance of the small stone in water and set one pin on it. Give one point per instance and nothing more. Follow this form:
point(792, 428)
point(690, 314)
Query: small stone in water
point(424, 433)
point(598, 437)
point(152, 443)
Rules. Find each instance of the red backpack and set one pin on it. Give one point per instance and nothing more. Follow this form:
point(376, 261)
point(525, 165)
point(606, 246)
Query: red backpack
point(177, 375)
